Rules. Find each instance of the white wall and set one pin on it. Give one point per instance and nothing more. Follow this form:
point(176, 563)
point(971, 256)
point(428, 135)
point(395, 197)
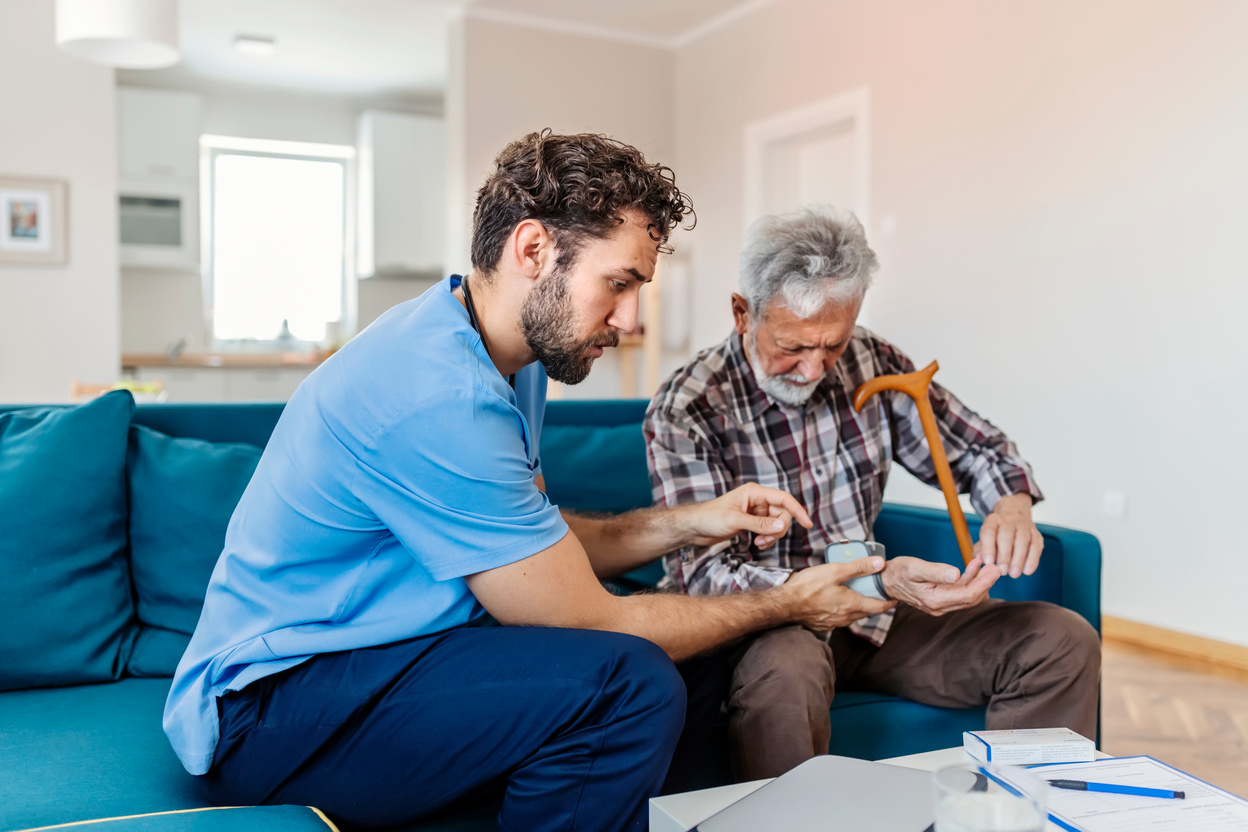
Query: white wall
point(158, 308)
point(1067, 183)
point(56, 121)
point(506, 81)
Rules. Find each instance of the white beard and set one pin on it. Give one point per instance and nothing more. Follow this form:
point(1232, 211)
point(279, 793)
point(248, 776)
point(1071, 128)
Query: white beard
point(793, 390)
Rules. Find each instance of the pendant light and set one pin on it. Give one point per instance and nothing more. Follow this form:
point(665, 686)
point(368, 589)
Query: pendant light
point(131, 34)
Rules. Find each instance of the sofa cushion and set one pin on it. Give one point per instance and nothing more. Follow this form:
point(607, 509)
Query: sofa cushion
point(875, 726)
point(98, 751)
point(182, 494)
point(157, 652)
point(64, 580)
point(596, 467)
point(92, 751)
point(212, 819)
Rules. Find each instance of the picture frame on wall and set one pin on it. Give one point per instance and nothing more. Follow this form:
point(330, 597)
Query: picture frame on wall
point(33, 228)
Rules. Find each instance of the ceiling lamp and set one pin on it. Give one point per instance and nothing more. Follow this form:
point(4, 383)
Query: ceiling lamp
point(132, 34)
point(262, 45)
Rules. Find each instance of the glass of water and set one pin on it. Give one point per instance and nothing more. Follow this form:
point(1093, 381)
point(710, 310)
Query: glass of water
point(969, 799)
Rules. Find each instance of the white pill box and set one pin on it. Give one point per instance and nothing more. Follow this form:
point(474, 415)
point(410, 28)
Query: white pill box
point(1027, 747)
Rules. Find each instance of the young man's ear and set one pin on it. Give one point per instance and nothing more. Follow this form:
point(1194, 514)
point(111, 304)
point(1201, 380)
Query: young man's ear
point(529, 248)
point(740, 313)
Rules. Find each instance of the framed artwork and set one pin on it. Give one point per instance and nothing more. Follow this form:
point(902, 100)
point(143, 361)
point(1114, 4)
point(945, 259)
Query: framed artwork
point(33, 230)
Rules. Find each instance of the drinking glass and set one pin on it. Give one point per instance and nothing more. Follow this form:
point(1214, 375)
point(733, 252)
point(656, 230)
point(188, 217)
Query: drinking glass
point(968, 799)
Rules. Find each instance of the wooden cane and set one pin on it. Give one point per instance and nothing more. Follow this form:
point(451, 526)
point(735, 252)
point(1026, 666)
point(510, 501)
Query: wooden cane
point(915, 386)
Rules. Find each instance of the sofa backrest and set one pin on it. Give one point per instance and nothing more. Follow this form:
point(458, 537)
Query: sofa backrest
point(594, 459)
point(593, 454)
point(250, 422)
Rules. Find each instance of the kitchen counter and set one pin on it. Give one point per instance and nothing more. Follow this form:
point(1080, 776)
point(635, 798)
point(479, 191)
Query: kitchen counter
point(226, 360)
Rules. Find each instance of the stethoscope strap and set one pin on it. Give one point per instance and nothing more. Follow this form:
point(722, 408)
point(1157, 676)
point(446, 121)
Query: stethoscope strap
point(476, 325)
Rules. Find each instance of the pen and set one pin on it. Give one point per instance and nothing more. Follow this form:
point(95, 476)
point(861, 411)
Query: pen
point(1082, 786)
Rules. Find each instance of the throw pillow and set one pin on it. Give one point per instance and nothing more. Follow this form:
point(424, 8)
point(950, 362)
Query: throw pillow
point(182, 494)
point(64, 582)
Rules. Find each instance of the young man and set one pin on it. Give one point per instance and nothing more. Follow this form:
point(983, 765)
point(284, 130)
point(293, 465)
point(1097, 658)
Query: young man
point(400, 498)
point(772, 404)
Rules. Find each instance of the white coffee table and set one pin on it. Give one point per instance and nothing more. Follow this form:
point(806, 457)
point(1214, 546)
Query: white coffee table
point(682, 812)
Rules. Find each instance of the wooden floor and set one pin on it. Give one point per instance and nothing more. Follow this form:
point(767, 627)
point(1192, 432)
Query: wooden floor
point(1181, 713)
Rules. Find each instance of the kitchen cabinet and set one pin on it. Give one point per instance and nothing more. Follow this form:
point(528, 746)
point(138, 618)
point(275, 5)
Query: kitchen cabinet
point(276, 385)
point(158, 178)
point(225, 384)
point(157, 133)
point(402, 204)
point(187, 384)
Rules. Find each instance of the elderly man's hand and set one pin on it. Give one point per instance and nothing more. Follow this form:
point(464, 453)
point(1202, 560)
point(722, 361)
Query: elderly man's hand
point(766, 512)
point(937, 588)
point(1009, 537)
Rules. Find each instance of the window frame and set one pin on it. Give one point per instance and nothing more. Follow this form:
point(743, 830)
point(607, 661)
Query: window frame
point(212, 147)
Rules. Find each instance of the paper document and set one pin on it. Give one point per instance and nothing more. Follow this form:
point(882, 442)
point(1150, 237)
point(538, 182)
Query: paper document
point(1205, 809)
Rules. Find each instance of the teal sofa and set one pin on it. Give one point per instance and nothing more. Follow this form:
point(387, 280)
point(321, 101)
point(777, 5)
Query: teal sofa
point(83, 679)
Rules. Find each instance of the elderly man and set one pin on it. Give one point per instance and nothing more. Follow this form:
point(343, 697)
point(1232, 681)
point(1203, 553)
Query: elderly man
point(772, 404)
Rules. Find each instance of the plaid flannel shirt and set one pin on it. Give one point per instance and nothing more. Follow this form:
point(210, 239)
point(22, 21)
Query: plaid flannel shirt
point(710, 428)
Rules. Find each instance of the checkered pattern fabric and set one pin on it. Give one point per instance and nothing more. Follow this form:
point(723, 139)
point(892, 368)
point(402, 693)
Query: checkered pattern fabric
point(710, 428)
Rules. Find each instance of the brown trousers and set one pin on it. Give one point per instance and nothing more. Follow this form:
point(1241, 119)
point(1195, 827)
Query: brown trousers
point(1033, 664)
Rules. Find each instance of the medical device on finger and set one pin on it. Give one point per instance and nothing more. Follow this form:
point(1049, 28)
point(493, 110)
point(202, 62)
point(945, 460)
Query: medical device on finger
point(848, 551)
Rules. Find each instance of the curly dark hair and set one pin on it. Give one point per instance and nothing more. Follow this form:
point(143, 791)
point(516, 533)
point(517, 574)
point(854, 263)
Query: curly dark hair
point(576, 186)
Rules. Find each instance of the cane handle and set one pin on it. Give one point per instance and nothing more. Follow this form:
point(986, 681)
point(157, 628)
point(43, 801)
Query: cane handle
point(915, 385)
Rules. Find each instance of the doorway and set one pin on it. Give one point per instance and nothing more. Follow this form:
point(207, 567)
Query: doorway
point(817, 153)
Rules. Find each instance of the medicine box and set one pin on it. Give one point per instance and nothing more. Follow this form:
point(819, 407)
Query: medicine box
point(1027, 747)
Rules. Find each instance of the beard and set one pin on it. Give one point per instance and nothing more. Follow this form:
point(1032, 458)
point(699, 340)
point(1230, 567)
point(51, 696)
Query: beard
point(788, 389)
point(547, 321)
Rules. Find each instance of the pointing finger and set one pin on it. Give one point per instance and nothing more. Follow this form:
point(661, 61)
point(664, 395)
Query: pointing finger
point(769, 526)
point(776, 497)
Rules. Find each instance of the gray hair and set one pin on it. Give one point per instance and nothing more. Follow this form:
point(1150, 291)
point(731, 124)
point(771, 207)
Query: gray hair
point(805, 260)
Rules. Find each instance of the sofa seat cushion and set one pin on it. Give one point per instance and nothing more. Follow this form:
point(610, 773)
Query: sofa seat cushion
point(93, 751)
point(874, 726)
point(98, 751)
point(214, 819)
point(182, 494)
point(64, 579)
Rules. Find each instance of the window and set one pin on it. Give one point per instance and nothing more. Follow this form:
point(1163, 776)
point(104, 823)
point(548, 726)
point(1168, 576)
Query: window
point(278, 241)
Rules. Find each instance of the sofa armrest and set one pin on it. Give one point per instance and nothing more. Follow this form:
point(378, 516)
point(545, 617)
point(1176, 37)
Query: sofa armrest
point(1069, 573)
point(1081, 570)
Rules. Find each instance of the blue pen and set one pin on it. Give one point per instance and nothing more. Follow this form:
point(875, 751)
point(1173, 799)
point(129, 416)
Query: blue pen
point(1082, 786)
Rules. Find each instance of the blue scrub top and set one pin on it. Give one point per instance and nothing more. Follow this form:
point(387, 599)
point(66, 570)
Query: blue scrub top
point(402, 464)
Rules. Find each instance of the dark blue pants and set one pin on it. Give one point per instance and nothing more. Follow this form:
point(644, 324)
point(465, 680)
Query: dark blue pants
point(573, 729)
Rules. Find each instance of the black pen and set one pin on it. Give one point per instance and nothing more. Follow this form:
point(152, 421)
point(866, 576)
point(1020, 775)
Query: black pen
point(1083, 786)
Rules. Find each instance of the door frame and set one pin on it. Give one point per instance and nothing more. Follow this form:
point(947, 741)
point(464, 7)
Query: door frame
point(854, 105)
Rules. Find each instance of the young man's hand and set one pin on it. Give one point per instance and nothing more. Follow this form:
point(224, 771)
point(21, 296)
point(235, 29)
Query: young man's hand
point(1009, 537)
point(822, 601)
point(765, 512)
point(938, 588)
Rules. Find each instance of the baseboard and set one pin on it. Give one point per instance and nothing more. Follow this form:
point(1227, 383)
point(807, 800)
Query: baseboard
point(1171, 642)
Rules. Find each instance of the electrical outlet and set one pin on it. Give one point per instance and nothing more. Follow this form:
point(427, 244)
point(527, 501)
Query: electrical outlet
point(1115, 504)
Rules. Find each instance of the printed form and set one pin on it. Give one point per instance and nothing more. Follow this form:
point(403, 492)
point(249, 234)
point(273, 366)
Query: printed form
point(1205, 809)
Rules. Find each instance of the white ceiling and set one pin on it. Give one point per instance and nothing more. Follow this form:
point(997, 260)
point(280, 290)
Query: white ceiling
point(662, 22)
point(374, 48)
point(364, 48)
